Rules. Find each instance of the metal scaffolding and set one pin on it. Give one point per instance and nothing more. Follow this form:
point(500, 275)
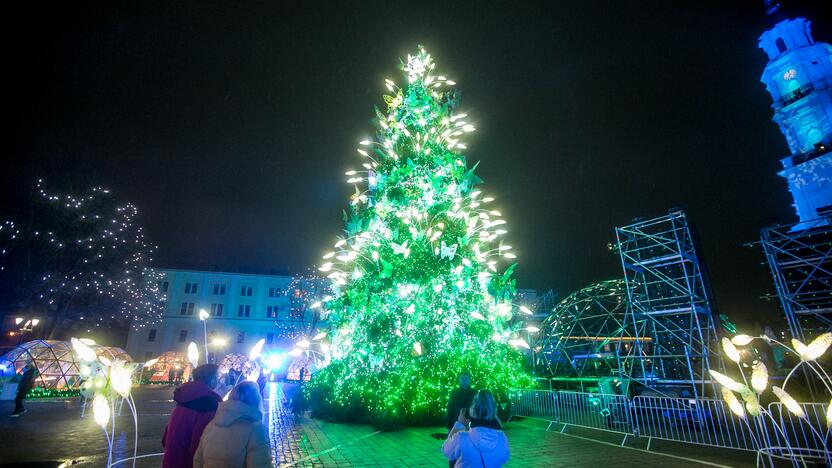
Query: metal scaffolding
point(801, 267)
point(669, 302)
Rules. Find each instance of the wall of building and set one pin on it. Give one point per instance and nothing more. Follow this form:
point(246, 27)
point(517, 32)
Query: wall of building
point(273, 313)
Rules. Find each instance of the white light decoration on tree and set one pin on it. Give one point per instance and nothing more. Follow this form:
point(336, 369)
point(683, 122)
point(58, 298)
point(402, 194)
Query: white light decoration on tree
point(83, 257)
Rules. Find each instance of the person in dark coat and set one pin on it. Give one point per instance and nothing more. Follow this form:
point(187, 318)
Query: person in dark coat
point(460, 399)
point(196, 403)
point(27, 381)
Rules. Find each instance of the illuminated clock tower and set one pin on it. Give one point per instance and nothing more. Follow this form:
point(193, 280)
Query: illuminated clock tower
point(799, 78)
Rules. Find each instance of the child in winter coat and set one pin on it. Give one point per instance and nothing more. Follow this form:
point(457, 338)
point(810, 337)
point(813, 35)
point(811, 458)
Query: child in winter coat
point(236, 437)
point(484, 445)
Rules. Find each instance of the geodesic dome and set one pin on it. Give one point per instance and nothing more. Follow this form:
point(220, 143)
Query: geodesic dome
point(233, 361)
point(58, 367)
point(585, 331)
point(171, 360)
point(311, 361)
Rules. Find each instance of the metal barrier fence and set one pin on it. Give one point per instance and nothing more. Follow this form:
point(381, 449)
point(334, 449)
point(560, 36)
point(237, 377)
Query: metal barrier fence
point(706, 422)
point(703, 421)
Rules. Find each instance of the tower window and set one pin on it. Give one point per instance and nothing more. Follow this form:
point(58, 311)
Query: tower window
point(781, 44)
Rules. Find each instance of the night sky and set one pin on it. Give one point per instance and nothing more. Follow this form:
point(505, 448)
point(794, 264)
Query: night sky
point(231, 128)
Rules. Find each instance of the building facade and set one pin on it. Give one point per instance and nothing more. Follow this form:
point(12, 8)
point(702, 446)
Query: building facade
point(242, 309)
point(798, 76)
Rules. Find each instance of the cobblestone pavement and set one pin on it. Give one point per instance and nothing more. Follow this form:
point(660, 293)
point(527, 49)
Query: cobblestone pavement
point(53, 430)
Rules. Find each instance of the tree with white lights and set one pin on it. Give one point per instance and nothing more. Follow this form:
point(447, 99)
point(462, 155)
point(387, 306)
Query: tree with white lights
point(422, 278)
point(79, 259)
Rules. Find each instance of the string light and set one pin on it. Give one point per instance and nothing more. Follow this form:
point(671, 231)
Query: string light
point(89, 250)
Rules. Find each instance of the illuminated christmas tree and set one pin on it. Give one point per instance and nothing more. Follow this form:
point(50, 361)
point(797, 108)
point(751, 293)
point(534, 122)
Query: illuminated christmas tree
point(422, 279)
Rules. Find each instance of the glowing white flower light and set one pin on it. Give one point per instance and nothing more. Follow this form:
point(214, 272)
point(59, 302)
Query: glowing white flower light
point(193, 354)
point(256, 349)
point(477, 316)
point(315, 305)
point(532, 329)
point(730, 350)
point(120, 380)
point(87, 341)
point(303, 343)
point(790, 403)
point(203, 314)
point(105, 361)
point(101, 410)
point(733, 403)
point(82, 350)
point(519, 342)
point(759, 377)
point(742, 340)
point(726, 381)
point(295, 352)
point(318, 336)
point(817, 347)
point(151, 362)
point(525, 310)
point(418, 348)
point(829, 416)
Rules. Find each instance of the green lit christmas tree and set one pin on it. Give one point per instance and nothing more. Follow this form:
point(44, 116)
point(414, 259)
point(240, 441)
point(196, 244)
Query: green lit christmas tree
point(422, 279)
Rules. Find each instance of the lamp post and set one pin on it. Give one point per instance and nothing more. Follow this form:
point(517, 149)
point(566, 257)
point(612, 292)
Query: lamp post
point(27, 327)
point(203, 316)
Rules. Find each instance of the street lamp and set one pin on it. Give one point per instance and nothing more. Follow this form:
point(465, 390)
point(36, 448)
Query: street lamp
point(27, 326)
point(203, 316)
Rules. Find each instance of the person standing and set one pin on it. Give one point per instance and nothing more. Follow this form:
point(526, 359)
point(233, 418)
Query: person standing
point(27, 381)
point(483, 444)
point(236, 436)
point(460, 399)
point(196, 403)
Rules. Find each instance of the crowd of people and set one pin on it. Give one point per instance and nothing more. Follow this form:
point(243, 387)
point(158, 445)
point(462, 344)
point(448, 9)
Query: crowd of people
point(206, 432)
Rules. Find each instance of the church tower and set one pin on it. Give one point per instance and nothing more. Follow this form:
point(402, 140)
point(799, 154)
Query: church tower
point(799, 78)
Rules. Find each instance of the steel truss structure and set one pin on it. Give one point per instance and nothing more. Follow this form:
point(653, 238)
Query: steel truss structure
point(669, 302)
point(800, 262)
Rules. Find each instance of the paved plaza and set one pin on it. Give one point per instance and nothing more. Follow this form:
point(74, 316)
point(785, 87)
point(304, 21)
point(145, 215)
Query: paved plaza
point(53, 430)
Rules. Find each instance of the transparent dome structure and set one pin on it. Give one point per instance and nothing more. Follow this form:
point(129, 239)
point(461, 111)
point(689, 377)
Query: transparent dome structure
point(234, 361)
point(310, 361)
point(586, 332)
point(58, 366)
point(174, 361)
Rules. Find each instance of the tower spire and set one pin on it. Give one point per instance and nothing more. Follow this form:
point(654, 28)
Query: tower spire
point(773, 12)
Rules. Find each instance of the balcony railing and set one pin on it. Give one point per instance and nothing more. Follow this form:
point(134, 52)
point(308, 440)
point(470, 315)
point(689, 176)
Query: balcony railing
point(796, 94)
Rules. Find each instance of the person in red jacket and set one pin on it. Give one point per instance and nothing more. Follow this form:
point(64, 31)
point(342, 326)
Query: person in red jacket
point(196, 403)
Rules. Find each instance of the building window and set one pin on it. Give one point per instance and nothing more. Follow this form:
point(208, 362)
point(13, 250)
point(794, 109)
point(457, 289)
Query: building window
point(187, 308)
point(190, 288)
point(269, 338)
point(271, 311)
point(243, 310)
point(781, 44)
point(183, 335)
point(219, 290)
point(246, 291)
point(241, 337)
point(163, 286)
point(151, 335)
point(275, 292)
point(216, 310)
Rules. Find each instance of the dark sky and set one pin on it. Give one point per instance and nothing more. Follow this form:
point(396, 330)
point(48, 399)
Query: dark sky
point(231, 127)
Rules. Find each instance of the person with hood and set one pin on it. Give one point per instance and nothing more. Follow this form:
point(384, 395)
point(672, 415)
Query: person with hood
point(196, 403)
point(236, 437)
point(27, 381)
point(484, 444)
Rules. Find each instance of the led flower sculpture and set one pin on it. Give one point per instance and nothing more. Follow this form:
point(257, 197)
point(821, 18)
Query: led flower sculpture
point(422, 289)
point(759, 382)
point(106, 382)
